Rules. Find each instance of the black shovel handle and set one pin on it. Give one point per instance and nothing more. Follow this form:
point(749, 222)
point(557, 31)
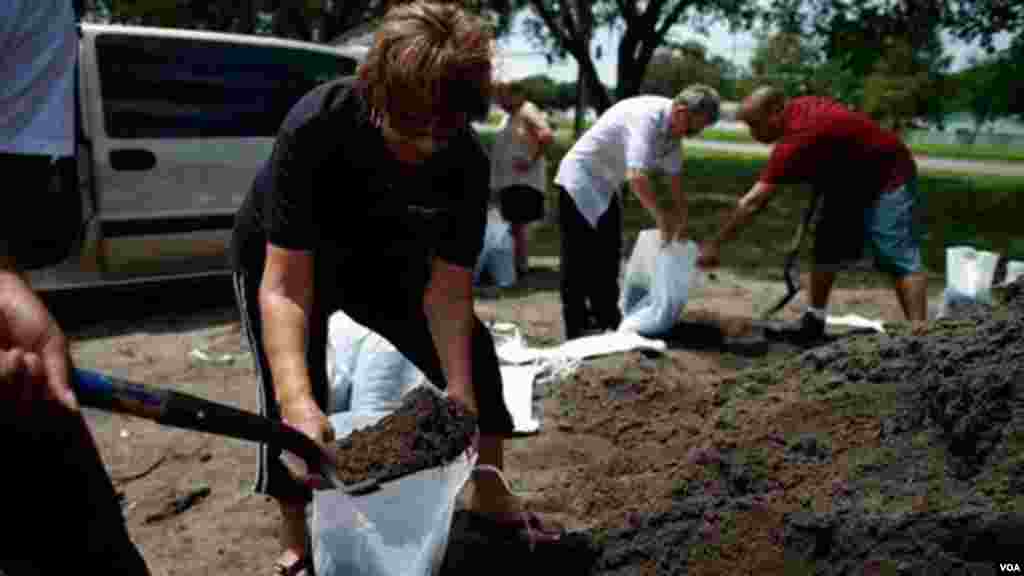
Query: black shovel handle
point(181, 410)
point(793, 284)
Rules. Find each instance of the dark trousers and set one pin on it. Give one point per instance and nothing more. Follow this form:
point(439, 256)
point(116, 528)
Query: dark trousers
point(41, 228)
point(590, 262)
point(65, 512)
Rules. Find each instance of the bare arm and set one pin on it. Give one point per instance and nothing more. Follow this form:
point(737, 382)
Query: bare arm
point(681, 204)
point(640, 184)
point(747, 207)
point(539, 129)
point(448, 303)
point(285, 298)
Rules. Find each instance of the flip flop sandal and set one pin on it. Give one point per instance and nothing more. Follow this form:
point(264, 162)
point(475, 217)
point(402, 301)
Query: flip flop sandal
point(300, 567)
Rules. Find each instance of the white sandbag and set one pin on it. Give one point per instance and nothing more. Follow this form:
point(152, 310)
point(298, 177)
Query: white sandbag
point(400, 530)
point(657, 284)
point(497, 257)
point(366, 373)
point(969, 276)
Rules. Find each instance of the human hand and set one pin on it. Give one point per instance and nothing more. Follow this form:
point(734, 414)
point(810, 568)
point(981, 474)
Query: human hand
point(709, 255)
point(306, 417)
point(463, 395)
point(34, 360)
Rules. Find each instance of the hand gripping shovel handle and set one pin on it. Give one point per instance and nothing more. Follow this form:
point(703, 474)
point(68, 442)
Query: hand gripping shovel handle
point(793, 284)
point(180, 410)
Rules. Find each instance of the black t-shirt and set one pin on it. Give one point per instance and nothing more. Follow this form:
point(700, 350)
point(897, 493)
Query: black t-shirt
point(331, 186)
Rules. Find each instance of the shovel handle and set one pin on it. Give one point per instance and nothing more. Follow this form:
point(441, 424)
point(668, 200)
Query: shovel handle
point(181, 410)
point(793, 284)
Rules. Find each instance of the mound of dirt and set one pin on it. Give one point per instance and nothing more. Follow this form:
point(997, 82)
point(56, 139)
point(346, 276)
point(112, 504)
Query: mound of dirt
point(943, 492)
point(426, 431)
point(880, 454)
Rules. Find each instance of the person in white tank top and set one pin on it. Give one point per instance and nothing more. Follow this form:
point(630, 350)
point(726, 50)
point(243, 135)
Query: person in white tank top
point(518, 167)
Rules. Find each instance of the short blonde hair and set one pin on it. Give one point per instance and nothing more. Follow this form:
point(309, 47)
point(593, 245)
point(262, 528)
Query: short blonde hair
point(429, 61)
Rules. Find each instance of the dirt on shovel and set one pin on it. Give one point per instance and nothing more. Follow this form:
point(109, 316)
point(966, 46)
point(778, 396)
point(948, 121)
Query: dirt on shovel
point(426, 431)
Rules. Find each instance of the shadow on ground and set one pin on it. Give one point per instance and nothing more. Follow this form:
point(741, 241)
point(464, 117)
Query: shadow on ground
point(538, 279)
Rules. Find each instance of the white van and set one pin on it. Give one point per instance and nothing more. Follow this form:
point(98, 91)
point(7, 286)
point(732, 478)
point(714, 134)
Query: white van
point(173, 126)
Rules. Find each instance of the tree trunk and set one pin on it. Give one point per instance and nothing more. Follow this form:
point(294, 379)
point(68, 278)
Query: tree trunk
point(599, 97)
point(631, 66)
point(584, 19)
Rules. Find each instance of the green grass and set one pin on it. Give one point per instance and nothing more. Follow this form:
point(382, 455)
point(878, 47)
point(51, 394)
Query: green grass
point(983, 211)
point(955, 151)
point(970, 151)
point(741, 136)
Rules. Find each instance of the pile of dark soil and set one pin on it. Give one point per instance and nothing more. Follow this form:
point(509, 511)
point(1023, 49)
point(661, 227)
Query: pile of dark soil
point(943, 494)
point(426, 431)
point(667, 542)
point(875, 454)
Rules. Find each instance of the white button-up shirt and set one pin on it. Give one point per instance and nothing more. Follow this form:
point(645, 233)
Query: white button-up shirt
point(632, 134)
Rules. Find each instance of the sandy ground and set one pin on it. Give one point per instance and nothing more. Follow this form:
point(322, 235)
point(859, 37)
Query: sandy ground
point(615, 439)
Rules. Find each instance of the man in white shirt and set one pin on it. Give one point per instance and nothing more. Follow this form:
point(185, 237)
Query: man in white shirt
point(634, 137)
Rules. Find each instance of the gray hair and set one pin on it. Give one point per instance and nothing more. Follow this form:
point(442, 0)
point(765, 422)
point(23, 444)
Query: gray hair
point(700, 99)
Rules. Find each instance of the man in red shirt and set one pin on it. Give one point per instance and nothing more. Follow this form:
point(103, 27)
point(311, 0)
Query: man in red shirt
point(868, 179)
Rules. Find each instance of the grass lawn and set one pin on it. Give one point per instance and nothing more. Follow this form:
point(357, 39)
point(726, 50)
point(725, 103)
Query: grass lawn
point(983, 211)
point(957, 151)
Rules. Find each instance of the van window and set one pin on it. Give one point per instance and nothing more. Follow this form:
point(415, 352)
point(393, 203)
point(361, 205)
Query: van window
point(187, 88)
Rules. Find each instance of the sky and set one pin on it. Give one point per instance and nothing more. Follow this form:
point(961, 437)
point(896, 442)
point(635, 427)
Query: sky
point(520, 58)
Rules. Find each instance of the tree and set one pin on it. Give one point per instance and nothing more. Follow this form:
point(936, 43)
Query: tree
point(676, 65)
point(321, 20)
point(1012, 61)
point(983, 20)
point(220, 15)
point(904, 84)
point(541, 89)
point(785, 59)
point(558, 26)
point(990, 87)
point(884, 56)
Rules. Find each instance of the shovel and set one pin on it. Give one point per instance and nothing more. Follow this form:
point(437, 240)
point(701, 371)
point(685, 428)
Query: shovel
point(788, 271)
point(181, 410)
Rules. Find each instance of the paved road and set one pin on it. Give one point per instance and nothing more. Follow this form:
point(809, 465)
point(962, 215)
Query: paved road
point(926, 163)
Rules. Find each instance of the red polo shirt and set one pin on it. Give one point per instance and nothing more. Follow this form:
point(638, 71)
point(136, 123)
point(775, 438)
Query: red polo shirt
point(829, 146)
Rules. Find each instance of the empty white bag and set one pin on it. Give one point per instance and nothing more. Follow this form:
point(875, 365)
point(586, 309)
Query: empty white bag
point(657, 284)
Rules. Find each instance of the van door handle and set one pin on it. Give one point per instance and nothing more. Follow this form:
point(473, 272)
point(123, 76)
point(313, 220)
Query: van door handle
point(132, 160)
